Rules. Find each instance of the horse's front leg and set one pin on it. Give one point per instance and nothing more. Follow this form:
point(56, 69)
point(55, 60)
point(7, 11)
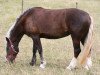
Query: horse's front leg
point(37, 46)
point(77, 50)
point(33, 61)
point(40, 50)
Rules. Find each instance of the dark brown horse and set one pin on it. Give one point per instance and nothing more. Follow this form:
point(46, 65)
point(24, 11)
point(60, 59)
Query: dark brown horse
point(39, 23)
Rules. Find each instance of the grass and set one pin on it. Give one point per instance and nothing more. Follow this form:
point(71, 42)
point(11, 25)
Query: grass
point(57, 53)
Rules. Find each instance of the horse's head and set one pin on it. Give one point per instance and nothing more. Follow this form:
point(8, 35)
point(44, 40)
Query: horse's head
point(11, 52)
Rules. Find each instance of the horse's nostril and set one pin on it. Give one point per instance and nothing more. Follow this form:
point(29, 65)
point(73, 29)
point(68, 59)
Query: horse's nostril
point(8, 58)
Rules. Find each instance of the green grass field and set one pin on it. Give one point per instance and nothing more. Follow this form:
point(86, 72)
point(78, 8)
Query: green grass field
point(57, 53)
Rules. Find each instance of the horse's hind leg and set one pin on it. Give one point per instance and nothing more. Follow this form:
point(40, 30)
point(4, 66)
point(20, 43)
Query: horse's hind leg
point(77, 50)
point(88, 63)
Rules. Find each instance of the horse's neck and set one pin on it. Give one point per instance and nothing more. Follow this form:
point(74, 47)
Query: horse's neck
point(16, 35)
point(16, 39)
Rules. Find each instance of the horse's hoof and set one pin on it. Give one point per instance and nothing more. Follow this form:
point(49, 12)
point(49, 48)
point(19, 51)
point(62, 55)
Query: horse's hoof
point(72, 64)
point(42, 65)
point(32, 63)
point(69, 68)
point(86, 67)
point(88, 64)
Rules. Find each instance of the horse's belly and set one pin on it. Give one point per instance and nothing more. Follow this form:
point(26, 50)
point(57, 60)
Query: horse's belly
point(54, 35)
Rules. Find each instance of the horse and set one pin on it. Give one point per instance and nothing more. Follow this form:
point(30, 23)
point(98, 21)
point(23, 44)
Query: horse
point(39, 22)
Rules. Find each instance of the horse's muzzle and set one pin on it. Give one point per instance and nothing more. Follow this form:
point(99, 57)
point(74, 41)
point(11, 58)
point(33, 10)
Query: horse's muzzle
point(10, 58)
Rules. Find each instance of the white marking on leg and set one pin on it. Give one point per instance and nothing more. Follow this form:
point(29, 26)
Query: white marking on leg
point(72, 64)
point(9, 31)
point(43, 65)
point(88, 64)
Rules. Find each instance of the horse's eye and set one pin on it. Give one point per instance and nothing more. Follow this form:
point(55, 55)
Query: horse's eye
point(7, 49)
point(14, 54)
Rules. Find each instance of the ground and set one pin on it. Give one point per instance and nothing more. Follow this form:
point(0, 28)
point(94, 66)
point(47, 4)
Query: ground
point(57, 53)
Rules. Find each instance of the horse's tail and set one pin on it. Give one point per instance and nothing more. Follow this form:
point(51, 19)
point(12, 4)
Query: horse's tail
point(87, 45)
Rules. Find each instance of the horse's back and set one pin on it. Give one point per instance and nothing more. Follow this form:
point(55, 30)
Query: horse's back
point(50, 22)
point(57, 22)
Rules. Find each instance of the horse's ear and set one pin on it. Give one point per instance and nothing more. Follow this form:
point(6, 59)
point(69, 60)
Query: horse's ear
point(7, 39)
